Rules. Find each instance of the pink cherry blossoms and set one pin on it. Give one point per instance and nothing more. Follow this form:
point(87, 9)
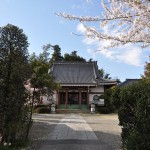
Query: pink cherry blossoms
point(127, 21)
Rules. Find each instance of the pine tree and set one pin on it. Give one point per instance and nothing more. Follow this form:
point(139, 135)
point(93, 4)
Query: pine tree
point(56, 56)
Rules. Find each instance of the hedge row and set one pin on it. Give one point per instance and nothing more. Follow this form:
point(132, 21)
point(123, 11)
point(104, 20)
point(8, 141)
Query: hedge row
point(134, 116)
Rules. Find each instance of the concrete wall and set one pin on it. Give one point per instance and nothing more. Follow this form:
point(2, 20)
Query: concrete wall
point(97, 89)
point(55, 97)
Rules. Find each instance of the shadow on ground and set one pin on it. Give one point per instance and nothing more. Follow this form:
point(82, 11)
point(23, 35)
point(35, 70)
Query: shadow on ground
point(44, 125)
point(105, 143)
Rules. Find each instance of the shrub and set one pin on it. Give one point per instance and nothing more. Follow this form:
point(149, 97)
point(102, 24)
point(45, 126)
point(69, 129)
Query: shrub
point(43, 110)
point(108, 101)
point(101, 97)
point(102, 110)
point(134, 116)
point(115, 97)
point(6, 148)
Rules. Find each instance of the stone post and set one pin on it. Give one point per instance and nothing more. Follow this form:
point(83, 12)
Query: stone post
point(92, 108)
point(53, 110)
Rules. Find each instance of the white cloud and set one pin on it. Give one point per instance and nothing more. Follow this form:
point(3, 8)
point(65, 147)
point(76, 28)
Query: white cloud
point(129, 54)
point(92, 53)
point(89, 41)
point(81, 28)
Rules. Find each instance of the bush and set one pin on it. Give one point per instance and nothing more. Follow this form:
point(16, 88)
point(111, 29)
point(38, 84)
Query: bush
point(108, 101)
point(102, 110)
point(6, 148)
point(115, 97)
point(101, 97)
point(38, 106)
point(43, 110)
point(134, 116)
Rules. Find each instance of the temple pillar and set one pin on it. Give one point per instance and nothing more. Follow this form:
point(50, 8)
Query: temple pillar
point(66, 103)
point(58, 97)
point(88, 97)
point(80, 103)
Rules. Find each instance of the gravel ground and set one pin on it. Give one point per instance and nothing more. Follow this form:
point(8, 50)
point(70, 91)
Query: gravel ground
point(105, 127)
point(43, 124)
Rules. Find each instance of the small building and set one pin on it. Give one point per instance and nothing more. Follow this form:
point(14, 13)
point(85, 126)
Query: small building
point(128, 82)
point(80, 83)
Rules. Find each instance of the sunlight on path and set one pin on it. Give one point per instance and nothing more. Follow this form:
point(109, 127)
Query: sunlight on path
point(72, 127)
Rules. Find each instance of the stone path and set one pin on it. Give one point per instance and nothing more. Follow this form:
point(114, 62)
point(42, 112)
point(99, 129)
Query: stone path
point(72, 127)
point(77, 132)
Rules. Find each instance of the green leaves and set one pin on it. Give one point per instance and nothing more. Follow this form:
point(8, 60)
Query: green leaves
point(40, 65)
point(13, 66)
point(133, 104)
point(134, 115)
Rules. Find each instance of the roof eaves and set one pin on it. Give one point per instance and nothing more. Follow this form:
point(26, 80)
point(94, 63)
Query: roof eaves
point(108, 83)
point(78, 84)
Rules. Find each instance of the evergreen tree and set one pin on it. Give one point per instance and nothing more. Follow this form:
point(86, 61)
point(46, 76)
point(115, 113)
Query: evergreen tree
point(56, 56)
point(41, 81)
point(73, 57)
point(14, 70)
point(103, 74)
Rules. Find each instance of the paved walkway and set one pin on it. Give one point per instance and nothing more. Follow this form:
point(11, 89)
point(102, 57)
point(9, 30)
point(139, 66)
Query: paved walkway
point(72, 127)
point(72, 132)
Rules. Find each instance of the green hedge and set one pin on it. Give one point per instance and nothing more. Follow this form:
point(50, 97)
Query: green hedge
point(134, 116)
point(102, 110)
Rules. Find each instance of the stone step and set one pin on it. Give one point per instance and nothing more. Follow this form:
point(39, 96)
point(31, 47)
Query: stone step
point(72, 111)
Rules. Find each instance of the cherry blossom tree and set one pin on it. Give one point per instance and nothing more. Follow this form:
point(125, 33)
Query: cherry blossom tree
point(146, 74)
point(127, 21)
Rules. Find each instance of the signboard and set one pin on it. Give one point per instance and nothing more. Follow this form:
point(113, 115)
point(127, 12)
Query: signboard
point(95, 97)
point(98, 101)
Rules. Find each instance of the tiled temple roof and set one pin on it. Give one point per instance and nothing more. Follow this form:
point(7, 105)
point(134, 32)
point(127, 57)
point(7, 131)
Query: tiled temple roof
point(128, 82)
point(78, 74)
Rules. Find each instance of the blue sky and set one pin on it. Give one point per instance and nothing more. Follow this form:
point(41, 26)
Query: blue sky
point(38, 20)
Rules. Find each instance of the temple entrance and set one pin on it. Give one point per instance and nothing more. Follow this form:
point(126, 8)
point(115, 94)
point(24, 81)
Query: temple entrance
point(62, 100)
point(84, 100)
point(73, 100)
